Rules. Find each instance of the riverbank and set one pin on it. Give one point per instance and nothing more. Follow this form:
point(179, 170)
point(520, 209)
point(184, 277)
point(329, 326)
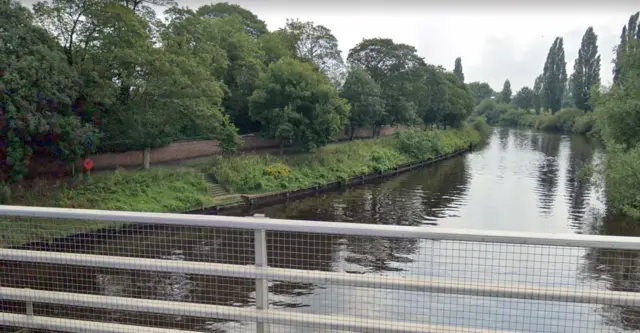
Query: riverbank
point(251, 174)
point(566, 120)
point(178, 189)
point(163, 189)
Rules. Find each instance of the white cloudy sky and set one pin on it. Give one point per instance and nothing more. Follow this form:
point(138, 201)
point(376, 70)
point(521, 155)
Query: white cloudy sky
point(497, 39)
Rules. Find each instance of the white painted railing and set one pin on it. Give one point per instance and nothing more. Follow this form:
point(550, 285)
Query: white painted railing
point(501, 242)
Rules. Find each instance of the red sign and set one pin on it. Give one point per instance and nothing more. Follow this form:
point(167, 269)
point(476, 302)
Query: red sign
point(88, 164)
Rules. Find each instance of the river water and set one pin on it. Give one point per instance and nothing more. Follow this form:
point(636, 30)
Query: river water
point(520, 180)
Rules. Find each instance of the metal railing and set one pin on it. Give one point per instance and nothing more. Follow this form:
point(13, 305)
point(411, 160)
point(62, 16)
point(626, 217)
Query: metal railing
point(151, 272)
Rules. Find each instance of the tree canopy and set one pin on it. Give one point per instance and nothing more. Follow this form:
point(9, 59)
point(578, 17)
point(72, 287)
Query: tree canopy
point(86, 76)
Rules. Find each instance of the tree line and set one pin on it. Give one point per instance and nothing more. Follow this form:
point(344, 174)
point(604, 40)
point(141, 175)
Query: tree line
point(80, 76)
point(580, 103)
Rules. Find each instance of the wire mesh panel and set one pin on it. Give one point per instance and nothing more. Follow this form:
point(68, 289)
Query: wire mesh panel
point(203, 279)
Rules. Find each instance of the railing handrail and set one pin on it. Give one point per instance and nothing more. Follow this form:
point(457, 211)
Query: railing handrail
point(430, 285)
point(341, 228)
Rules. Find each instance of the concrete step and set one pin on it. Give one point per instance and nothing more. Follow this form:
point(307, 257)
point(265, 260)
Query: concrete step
point(215, 189)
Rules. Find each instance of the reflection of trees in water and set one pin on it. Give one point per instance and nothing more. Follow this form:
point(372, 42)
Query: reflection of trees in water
point(409, 199)
point(549, 145)
point(522, 139)
point(619, 270)
point(578, 189)
point(503, 137)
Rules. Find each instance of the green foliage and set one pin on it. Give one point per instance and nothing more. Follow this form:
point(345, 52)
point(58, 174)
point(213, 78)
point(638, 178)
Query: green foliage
point(457, 69)
point(554, 77)
point(154, 190)
point(5, 194)
point(459, 102)
point(537, 94)
point(505, 94)
point(419, 144)
point(317, 45)
point(363, 93)
point(267, 173)
point(622, 177)
point(513, 117)
point(586, 70)
point(585, 124)
point(480, 125)
point(524, 98)
point(480, 91)
point(252, 25)
point(617, 113)
point(628, 37)
point(298, 105)
point(37, 91)
point(566, 118)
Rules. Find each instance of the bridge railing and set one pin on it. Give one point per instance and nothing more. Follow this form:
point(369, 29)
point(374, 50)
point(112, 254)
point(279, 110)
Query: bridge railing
point(148, 272)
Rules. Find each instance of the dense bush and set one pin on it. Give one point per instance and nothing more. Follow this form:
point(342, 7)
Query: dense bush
point(566, 118)
point(480, 125)
point(5, 194)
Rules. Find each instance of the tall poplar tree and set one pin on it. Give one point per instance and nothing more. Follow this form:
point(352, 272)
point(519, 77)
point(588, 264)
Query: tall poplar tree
point(629, 32)
point(554, 77)
point(505, 94)
point(586, 70)
point(457, 69)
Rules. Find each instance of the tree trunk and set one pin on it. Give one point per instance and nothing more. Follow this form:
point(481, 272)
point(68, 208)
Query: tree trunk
point(146, 158)
point(373, 132)
point(353, 133)
point(281, 148)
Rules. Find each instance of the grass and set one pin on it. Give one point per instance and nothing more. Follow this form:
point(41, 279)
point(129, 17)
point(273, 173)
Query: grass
point(175, 189)
point(269, 173)
point(156, 190)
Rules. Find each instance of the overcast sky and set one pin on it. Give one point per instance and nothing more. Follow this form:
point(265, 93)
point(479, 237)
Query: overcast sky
point(497, 39)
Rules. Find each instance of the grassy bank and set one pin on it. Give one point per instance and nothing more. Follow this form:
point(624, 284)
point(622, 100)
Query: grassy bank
point(154, 190)
point(269, 173)
point(175, 189)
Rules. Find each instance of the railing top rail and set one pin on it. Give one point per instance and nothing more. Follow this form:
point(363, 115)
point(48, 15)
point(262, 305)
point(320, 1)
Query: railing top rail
point(340, 228)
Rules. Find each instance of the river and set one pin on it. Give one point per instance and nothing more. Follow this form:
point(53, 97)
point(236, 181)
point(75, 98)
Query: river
point(520, 180)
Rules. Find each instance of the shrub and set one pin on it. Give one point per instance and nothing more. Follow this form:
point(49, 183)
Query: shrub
point(584, 124)
point(419, 144)
point(5, 193)
point(622, 176)
point(512, 117)
point(565, 118)
point(481, 126)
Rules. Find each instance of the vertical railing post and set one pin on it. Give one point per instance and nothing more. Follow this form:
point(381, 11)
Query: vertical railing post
point(29, 305)
point(262, 285)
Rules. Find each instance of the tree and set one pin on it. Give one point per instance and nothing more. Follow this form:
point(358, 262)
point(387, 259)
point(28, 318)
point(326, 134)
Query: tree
point(457, 70)
point(505, 94)
point(459, 101)
point(316, 44)
point(252, 25)
point(554, 77)
point(537, 90)
point(524, 98)
point(363, 94)
point(392, 66)
point(480, 91)
point(275, 45)
point(298, 105)
point(37, 89)
point(586, 70)
point(431, 90)
point(630, 33)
